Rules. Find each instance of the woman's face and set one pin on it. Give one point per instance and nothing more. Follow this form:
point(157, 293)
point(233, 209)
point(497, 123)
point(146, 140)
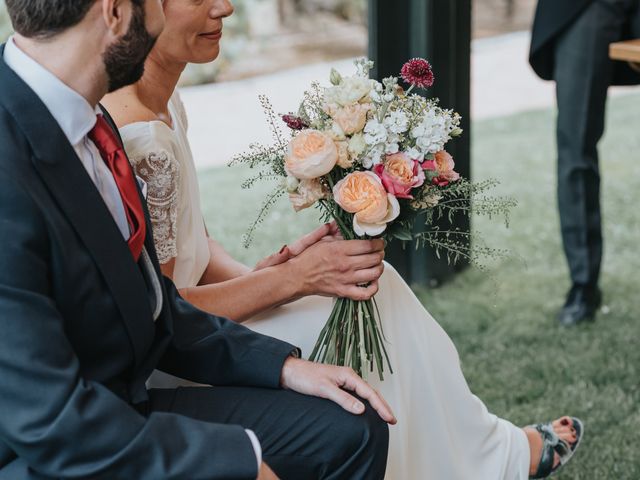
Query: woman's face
point(193, 29)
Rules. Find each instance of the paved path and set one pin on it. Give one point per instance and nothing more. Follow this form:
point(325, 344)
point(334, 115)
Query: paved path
point(225, 117)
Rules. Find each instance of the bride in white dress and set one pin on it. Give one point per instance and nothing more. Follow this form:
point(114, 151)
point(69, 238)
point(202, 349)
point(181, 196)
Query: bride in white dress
point(444, 432)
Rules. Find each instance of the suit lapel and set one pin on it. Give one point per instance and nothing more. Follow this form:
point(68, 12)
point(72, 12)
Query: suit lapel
point(77, 197)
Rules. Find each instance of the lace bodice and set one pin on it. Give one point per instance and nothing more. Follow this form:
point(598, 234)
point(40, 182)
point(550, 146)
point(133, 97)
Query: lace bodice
point(161, 156)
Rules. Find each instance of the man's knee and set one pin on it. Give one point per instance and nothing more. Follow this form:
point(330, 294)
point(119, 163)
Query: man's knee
point(364, 443)
point(370, 430)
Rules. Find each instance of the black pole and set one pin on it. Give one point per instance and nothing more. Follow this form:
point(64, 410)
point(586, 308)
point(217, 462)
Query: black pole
point(440, 31)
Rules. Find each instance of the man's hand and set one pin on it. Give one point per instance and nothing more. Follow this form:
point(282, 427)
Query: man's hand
point(266, 473)
point(330, 382)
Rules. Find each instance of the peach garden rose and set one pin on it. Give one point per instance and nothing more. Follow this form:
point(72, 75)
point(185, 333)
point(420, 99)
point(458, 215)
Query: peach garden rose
point(363, 194)
point(351, 118)
point(311, 154)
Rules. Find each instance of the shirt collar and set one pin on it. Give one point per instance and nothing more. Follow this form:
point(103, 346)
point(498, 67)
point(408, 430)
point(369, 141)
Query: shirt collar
point(69, 109)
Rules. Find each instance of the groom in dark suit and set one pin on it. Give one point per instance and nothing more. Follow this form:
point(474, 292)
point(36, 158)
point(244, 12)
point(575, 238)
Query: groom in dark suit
point(570, 44)
point(85, 315)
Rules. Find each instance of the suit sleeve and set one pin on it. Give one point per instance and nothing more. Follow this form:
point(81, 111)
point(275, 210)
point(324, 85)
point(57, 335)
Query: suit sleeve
point(217, 351)
point(65, 426)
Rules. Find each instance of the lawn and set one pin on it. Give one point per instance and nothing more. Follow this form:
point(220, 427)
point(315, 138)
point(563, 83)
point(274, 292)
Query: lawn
point(515, 357)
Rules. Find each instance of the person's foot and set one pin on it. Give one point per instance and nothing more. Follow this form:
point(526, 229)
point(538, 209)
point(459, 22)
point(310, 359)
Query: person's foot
point(581, 305)
point(563, 427)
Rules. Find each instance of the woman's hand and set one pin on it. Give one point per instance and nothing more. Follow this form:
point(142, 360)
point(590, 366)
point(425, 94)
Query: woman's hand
point(323, 263)
point(326, 232)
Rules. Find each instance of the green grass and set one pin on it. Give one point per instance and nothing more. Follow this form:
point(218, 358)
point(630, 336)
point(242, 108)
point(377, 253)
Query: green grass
point(515, 357)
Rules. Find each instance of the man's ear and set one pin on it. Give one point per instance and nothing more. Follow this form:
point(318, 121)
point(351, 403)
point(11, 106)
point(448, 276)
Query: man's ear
point(117, 15)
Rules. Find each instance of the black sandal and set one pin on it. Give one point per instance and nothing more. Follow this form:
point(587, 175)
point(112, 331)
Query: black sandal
point(552, 444)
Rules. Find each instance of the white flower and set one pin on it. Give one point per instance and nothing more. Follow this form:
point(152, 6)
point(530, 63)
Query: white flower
point(415, 154)
point(357, 145)
point(432, 133)
point(291, 184)
point(350, 91)
point(374, 157)
point(397, 122)
point(335, 78)
point(336, 132)
point(392, 148)
point(375, 132)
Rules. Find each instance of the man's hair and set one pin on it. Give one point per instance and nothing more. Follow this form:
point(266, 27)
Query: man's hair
point(46, 18)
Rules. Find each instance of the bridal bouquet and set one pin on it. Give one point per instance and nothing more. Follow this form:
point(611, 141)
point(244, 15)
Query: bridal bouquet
point(371, 156)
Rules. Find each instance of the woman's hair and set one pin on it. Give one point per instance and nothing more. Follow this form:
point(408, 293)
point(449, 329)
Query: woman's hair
point(46, 18)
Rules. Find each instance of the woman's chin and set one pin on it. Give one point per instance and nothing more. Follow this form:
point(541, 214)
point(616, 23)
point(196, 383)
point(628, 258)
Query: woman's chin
point(205, 56)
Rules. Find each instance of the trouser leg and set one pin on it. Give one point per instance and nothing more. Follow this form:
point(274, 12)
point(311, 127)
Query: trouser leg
point(302, 437)
point(583, 74)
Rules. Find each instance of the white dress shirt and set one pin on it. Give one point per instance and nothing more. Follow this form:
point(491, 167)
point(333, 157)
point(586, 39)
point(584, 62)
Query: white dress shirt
point(76, 119)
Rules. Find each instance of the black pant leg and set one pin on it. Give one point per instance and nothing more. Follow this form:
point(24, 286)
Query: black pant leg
point(583, 73)
point(302, 438)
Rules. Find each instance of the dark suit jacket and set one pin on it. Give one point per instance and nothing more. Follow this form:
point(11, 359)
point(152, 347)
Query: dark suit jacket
point(551, 20)
point(77, 337)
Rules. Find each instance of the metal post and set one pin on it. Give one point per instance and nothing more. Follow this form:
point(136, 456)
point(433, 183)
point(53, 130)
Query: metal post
point(440, 31)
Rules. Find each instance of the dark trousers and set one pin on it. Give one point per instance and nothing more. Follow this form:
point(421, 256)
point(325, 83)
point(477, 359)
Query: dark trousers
point(302, 438)
point(583, 73)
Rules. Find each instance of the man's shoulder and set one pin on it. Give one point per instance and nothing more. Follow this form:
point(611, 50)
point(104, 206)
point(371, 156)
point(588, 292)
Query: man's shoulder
point(14, 145)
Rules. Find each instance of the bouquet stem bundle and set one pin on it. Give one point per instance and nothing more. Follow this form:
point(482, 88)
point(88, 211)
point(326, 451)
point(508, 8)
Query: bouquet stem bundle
point(353, 337)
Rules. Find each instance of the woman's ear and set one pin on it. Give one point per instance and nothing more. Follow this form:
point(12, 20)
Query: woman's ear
point(117, 15)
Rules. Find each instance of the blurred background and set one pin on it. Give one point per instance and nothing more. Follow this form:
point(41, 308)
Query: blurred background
point(515, 356)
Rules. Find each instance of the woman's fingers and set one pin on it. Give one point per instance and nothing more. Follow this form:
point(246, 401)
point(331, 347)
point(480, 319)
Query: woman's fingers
point(309, 239)
point(361, 247)
point(366, 275)
point(367, 260)
point(275, 259)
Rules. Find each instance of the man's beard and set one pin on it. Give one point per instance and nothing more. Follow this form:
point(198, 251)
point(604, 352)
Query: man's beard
point(124, 60)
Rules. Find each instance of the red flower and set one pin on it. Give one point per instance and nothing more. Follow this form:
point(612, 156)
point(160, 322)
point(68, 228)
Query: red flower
point(417, 72)
point(294, 122)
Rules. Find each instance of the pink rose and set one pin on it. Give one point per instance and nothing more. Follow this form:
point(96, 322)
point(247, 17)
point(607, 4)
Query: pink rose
point(363, 194)
point(400, 174)
point(444, 165)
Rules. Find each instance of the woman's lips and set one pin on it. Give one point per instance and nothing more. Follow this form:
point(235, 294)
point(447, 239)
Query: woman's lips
point(215, 35)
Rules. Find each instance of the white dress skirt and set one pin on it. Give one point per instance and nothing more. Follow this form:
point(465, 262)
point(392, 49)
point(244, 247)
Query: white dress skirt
point(444, 432)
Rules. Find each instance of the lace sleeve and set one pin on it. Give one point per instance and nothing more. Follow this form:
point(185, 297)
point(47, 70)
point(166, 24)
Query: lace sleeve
point(161, 171)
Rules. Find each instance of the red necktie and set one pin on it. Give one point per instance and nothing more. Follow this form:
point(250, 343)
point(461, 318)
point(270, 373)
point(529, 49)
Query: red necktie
point(114, 156)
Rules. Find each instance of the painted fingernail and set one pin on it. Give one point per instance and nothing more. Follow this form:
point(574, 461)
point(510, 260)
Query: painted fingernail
point(282, 249)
